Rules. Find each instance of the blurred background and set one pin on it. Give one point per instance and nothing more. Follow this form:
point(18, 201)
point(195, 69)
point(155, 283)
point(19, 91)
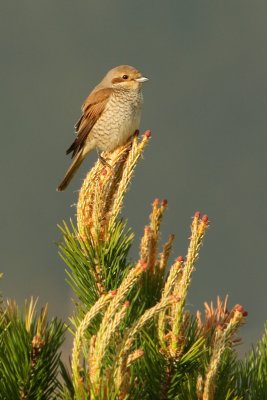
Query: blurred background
point(205, 104)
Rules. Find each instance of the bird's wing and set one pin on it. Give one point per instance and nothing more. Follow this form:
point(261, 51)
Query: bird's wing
point(92, 108)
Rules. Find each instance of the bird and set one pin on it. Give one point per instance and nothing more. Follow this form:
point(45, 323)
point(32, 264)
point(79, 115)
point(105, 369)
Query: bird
point(110, 116)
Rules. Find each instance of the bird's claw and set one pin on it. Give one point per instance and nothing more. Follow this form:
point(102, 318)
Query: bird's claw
point(103, 161)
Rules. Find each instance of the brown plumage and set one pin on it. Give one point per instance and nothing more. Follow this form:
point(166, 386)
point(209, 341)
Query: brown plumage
point(110, 115)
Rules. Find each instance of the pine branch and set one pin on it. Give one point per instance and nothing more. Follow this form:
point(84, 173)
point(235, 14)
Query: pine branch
point(251, 374)
point(133, 334)
point(29, 353)
point(94, 310)
point(133, 337)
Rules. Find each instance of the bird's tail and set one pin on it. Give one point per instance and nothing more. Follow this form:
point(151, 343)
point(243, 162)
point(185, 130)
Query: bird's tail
point(71, 171)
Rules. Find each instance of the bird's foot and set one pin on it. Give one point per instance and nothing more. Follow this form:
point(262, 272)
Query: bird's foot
point(103, 160)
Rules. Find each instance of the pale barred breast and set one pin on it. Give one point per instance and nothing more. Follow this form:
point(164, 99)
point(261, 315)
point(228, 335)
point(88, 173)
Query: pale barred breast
point(119, 121)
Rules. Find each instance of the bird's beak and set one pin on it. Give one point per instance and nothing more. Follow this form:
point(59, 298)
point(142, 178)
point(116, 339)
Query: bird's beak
point(141, 79)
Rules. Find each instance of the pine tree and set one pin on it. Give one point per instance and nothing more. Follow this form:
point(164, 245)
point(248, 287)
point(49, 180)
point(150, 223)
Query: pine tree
point(133, 337)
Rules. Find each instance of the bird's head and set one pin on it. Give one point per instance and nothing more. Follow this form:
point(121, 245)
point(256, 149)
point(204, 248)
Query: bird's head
point(124, 77)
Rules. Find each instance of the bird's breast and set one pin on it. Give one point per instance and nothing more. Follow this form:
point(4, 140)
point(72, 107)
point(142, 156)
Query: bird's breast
point(119, 121)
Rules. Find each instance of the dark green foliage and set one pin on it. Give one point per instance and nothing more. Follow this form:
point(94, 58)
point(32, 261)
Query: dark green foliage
point(226, 379)
point(151, 287)
point(83, 257)
point(74, 253)
point(29, 359)
point(251, 374)
point(67, 391)
point(162, 377)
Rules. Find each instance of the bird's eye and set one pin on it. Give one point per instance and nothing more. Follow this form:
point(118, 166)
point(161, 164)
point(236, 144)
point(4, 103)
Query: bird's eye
point(125, 77)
